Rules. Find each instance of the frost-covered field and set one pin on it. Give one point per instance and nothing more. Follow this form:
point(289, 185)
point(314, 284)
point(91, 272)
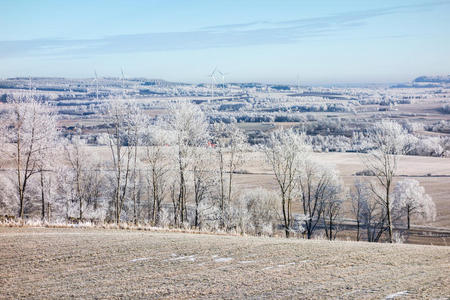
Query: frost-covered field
point(86, 263)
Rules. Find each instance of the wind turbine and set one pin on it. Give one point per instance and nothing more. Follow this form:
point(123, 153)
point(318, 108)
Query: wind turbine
point(213, 81)
point(298, 83)
point(123, 84)
point(96, 83)
point(223, 80)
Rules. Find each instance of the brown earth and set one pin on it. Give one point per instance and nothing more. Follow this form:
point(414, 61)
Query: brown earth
point(39, 263)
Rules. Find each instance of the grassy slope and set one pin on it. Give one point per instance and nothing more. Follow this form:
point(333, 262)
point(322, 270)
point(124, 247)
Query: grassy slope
point(55, 263)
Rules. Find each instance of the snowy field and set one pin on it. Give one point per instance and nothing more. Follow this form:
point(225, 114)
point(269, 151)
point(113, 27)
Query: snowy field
point(85, 263)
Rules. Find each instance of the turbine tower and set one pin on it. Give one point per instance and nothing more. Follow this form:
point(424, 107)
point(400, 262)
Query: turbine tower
point(96, 84)
point(123, 84)
point(213, 81)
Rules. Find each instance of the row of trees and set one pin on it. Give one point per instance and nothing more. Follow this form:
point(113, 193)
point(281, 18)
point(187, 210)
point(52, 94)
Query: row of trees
point(180, 160)
point(319, 190)
point(179, 170)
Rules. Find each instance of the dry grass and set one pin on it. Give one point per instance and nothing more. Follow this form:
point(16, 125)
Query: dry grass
point(86, 263)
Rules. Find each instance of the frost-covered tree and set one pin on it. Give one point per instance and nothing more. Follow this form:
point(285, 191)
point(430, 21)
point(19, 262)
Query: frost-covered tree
point(257, 212)
point(359, 195)
point(83, 177)
point(285, 152)
point(204, 179)
point(28, 134)
point(189, 127)
point(47, 161)
point(318, 188)
point(370, 211)
point(229, 143)
point(410, 199)
point(389, 140)
point(136, 122)
point(120, 131)
point(332, 206)
point(156, 162)
point(8, 196)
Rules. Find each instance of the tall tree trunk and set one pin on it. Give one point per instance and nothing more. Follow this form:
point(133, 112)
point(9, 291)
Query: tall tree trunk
point(19, 176)
point(222, 193)
point(80, 198)
point(155, 196)
point(149, 207)
point(331, 228)
point(230, 177)
point(134, 179)
point(357, 229)
point(285, 217)
point(48, 212)
point(42, 196)
point(388, 209)
point(118, 169)
point(408, 216)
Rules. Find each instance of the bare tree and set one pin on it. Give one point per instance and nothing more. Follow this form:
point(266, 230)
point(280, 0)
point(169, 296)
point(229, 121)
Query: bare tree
point(229, 143)
point(410, 199)
point(204, 179)
point(373, 215)
point(332, 207)
point(317, 185)
point(285, 152)
point(84, 177)
point(119, 114)
point(136, 122)
point(188, 124)
point(47, 160)
point(359, 195)
point(389, 140)
point(29, 132)
point(369, 212)
point(156, 158)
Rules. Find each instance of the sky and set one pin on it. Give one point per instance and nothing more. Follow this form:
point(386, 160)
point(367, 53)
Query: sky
point(250, 40)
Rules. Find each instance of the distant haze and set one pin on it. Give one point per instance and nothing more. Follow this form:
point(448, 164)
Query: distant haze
point(320, 42)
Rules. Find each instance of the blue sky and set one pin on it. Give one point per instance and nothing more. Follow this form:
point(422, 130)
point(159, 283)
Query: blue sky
point(267, 41)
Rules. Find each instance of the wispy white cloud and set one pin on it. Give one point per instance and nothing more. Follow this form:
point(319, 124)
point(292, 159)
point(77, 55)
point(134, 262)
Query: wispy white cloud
point(227, 35)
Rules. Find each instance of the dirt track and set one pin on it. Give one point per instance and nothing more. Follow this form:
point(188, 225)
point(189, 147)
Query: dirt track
point(85, 263)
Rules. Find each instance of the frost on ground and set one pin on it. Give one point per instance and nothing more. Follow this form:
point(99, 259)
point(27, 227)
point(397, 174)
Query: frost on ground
point(223, 259)
point(247, 261)
point(395, 295)
point(186, 258)
point(140, 259)
point(56, 263)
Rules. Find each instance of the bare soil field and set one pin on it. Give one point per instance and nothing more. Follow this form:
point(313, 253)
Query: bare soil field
point(47, 263)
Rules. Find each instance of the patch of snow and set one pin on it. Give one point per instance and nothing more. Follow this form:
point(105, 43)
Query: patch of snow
point(247, 261)
point(289, 264)
point(140, 259)
point(305, 261)
point(189, 258)
point(398, 294)
point(223, 259)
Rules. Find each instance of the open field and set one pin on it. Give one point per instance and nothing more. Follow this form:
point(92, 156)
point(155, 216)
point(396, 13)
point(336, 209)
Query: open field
point(62, 263)
point(436, 184)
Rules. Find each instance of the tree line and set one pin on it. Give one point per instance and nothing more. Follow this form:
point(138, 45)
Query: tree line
point(180, 171)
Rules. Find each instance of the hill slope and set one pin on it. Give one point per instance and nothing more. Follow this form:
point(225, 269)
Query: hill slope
point(62, 263)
